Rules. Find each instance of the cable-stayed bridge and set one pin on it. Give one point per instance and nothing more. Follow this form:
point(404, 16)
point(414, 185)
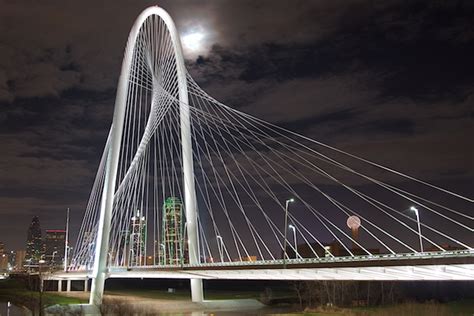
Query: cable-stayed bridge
point(188, 187)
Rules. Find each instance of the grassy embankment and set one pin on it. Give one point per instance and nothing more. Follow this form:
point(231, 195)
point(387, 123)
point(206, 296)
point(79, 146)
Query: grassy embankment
point(17, 293)
point(455, 308)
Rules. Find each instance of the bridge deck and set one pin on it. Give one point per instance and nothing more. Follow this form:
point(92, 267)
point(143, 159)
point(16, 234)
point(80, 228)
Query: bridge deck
point(453, 265)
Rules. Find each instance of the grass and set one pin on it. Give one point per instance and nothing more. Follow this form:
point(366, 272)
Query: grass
point(22, 295)
point(464, 307)
point(456, 308)
point(11, 290)
point(53, 299)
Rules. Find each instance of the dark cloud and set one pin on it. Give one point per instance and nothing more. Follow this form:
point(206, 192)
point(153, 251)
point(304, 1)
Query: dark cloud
point(390, 81)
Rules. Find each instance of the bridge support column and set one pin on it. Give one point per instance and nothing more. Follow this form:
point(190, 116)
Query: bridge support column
point(197, 292)
point(190, 204)
point(68, 285)
point(99, 271)
point(60, 285)
point(86, 285)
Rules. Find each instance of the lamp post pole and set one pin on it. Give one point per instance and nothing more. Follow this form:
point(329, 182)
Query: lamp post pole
point(415, 210)
point(220, 247)
point(294, 238)
point(66, 242)
point(287, 202)
point(53, 263)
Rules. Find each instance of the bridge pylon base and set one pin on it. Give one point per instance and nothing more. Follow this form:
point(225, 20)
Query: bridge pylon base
point(197, 291)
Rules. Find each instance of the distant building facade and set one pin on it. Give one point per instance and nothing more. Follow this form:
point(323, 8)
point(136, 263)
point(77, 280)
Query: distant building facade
point(249, 258)
point(54, 245)
point(137, 239)
point(4, 264)
point(173, 250)
point(34, 242)
point(19, 261)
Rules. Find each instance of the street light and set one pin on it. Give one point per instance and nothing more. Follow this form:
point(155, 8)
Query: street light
point(287, 202)
point(52, 259)
point(220, 247)
point(415, 210)
point(294, 236)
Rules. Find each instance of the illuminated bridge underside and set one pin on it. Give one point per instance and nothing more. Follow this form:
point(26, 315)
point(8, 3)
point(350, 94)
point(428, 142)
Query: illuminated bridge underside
point(452, 267)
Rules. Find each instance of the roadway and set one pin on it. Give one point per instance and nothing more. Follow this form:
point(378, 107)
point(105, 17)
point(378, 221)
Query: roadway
point(448, 265)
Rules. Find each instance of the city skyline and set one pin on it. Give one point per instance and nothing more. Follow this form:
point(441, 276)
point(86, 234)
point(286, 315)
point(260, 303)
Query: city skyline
point(34, 241)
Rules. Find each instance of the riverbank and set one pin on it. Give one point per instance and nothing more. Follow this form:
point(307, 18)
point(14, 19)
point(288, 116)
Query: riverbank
point(160, 302)
point(455, 308)
point(251, 300)
point(120, 303)
point(137, 305)
point(18, 294)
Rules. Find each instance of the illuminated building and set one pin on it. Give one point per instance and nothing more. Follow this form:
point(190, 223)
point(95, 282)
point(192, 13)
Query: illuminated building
point(137, 239)
point(173, 250)
point(34, 242)
point(54, 246)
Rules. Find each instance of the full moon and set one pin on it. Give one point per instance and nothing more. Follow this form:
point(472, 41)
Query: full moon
point(193, 42)
point(353, 222)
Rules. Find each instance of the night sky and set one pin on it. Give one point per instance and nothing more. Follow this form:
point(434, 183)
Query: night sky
point(391, 81)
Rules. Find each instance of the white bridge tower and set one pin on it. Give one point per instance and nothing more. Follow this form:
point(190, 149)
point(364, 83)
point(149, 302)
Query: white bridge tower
point(99, 273)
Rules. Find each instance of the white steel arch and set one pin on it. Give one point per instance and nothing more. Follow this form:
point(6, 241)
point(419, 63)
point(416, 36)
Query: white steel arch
point(103, 232)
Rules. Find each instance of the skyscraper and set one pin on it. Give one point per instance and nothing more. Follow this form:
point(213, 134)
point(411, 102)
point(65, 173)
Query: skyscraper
point(34, 242)
point(2, 248)
point(54, 246)
point(137, 239)
point(173, 247)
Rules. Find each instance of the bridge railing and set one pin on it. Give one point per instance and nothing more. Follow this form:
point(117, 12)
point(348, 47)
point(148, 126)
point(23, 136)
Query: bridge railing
point(383, 257)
